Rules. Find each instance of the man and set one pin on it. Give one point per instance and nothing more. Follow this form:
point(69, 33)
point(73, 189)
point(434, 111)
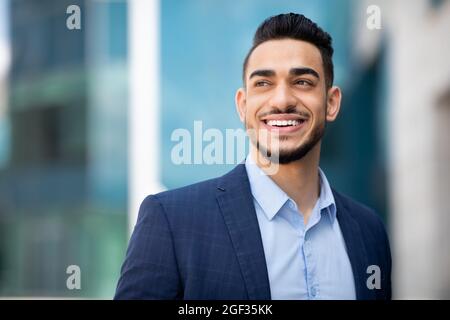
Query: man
point(251, 234)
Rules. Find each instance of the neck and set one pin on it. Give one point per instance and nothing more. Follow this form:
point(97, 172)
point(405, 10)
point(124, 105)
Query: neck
point(298, 179)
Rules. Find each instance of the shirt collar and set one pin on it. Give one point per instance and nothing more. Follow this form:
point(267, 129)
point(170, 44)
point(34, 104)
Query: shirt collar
point(326, 199)
point(261, 186)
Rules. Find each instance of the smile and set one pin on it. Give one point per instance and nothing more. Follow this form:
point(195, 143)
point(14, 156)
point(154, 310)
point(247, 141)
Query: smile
point(284, 123)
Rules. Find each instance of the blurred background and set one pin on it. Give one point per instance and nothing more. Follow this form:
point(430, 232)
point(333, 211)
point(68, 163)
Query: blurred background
point(87, 114)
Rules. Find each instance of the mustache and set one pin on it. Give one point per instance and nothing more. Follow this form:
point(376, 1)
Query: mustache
point(288, 110)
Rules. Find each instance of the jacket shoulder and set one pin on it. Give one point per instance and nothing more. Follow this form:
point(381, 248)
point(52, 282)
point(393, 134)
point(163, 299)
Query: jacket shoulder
point(204, 191)
point(184, 204)
point(192, 193)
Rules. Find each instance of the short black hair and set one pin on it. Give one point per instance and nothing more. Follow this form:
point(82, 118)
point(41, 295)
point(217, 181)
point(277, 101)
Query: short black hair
point(298, 27)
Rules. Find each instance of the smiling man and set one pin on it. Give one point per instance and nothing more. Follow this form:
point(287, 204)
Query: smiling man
point(259, 233)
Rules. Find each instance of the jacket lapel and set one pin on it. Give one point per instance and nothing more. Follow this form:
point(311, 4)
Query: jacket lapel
point(236, 203)
point(356, 251)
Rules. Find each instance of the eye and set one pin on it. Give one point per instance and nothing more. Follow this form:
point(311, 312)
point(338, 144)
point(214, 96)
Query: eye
point(303, 83)
point(261, 83)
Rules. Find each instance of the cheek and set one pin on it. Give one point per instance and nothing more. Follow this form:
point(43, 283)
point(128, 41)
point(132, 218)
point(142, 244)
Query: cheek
point(254, 105)
point(316, 104)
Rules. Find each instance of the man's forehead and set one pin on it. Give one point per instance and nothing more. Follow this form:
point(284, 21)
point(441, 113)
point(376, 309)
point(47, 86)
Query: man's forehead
point(282, 55)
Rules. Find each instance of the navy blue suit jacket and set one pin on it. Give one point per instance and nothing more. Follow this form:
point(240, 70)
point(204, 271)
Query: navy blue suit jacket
point(203, 242)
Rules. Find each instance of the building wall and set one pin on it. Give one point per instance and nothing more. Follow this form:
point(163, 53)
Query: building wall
point(419, 147)
point(415, 124)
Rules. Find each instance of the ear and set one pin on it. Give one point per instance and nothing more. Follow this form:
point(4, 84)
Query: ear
point(240, 101)
point(333, 103)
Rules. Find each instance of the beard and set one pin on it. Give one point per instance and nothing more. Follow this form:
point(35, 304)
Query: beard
point(288, 156)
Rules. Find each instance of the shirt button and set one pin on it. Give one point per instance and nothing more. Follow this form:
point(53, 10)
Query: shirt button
point(313, 292)
point(291, 205)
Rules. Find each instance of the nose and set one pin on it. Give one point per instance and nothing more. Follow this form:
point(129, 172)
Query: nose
point(282, 98)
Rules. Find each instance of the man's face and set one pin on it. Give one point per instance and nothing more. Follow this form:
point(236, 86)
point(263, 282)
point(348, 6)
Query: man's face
point(286, 99)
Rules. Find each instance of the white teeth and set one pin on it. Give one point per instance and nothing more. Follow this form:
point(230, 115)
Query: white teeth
point(282, 123)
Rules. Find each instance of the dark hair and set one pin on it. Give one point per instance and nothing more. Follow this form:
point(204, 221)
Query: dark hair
point(295, 26)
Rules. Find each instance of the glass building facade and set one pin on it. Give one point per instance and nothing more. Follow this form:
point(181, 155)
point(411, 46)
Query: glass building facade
point(63, 188)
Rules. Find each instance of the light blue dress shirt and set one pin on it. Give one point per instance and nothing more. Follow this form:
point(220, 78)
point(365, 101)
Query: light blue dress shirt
point(303, 262)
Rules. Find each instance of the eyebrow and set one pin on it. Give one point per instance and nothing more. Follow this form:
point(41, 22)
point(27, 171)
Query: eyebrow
point(293, 71)
point(302, 71)
point(262, 73)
